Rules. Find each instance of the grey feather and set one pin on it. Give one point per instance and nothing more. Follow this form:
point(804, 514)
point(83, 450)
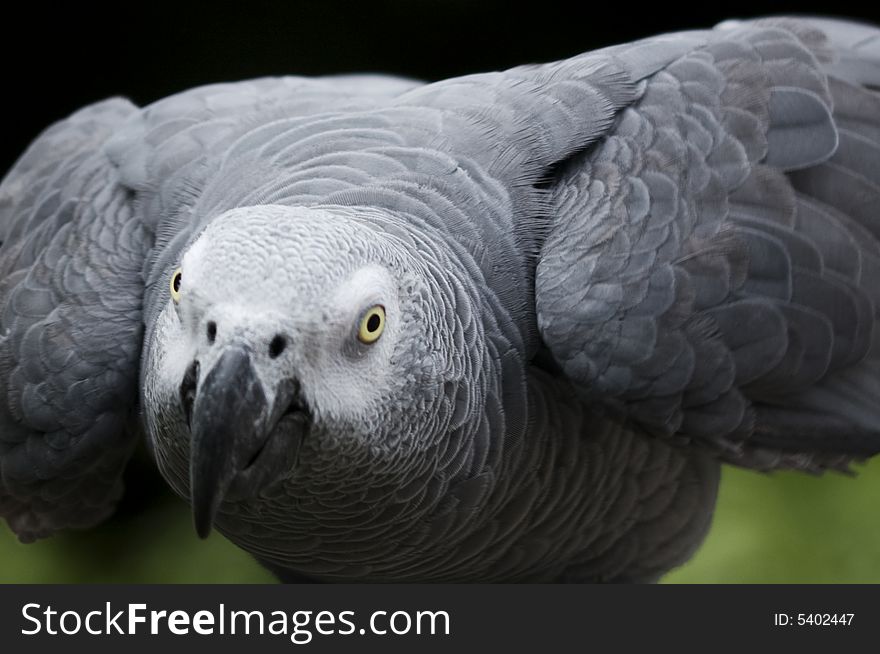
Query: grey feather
point(598, 279)
point(774, 77)
point(71, 331)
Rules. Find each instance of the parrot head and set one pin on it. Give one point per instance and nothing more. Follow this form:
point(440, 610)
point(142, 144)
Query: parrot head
point(300, 349)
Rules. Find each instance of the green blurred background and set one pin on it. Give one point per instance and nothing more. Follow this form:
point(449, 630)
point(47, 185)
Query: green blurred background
point(780, 528)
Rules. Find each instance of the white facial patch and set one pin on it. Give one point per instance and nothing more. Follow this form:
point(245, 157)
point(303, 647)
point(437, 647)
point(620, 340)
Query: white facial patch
point(368, 286)
point(348, 384)
point(306, 276)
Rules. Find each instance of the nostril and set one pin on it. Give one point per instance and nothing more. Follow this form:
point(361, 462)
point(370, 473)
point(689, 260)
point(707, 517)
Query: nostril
point(277, 346)
point(211, 331)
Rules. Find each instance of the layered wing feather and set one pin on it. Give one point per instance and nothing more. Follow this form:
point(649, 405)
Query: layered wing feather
point(712, 271)
point(70, 297)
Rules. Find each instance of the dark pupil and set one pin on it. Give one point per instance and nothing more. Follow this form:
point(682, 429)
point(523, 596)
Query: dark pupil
point(373, 323)
point(177, 282)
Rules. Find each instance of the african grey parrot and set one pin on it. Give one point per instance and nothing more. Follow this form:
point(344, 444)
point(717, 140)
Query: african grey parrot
point(503, 327)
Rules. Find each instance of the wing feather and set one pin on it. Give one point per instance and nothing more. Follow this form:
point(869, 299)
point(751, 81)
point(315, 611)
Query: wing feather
point(756, 308)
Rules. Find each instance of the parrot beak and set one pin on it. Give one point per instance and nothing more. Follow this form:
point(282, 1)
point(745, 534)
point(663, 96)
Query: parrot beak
point(239, 442)
point(229, 428)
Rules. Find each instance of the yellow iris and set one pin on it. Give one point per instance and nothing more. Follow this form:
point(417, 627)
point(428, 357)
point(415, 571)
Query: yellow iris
point(175, 285)
point(372, 325)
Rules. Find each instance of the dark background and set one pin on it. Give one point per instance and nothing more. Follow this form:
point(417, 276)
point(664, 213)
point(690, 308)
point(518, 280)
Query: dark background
point(54, 60)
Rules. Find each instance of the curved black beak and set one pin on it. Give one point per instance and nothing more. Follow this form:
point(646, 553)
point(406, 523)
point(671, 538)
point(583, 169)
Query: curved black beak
point(234, 451)
point(230, 424)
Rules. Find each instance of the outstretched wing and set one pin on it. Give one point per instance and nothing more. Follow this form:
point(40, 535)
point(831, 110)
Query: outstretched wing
point(70, 327)
point(713, 270)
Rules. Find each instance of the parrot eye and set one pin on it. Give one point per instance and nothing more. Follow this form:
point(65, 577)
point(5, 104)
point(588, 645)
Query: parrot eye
point(175, 285)
point(372, 325)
